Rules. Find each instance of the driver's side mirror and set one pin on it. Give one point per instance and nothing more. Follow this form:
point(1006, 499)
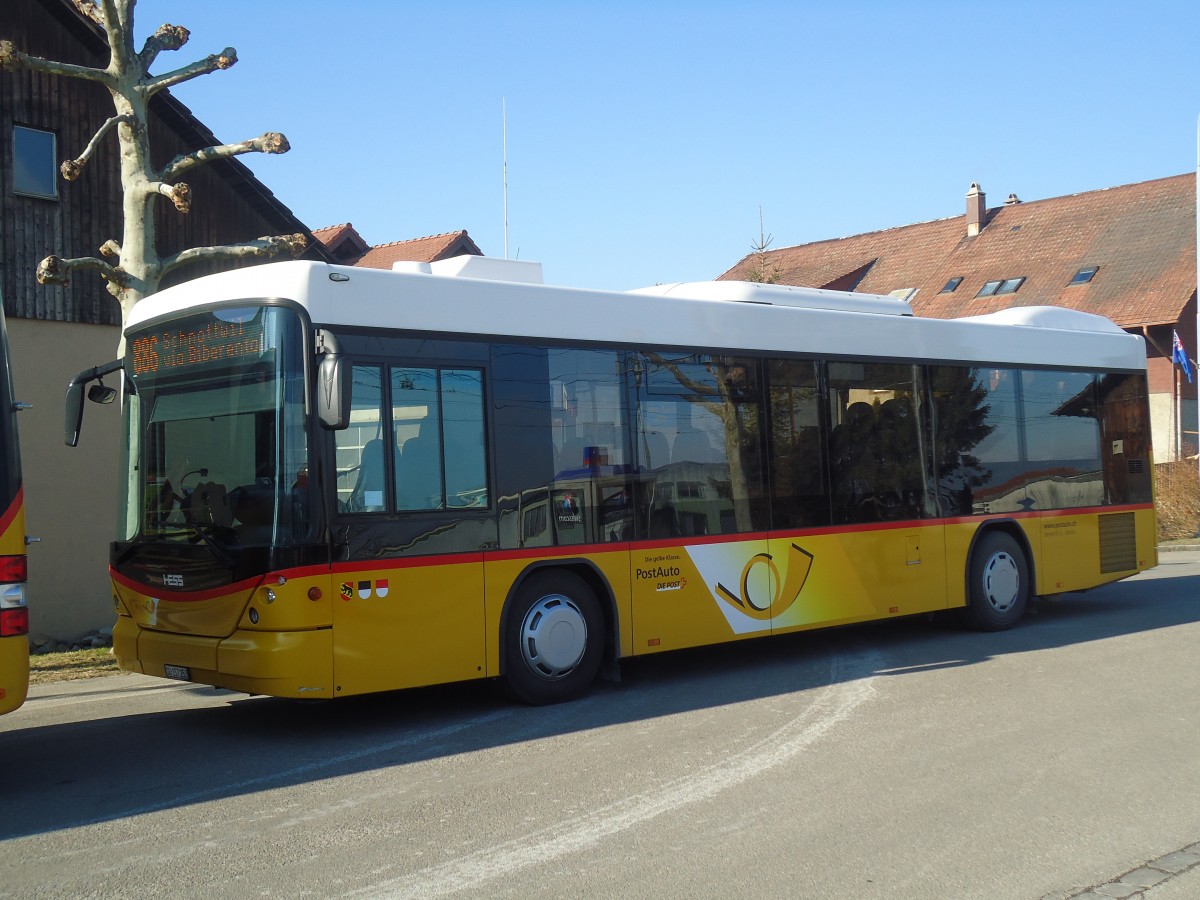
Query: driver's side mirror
point(334, 384)
point(97, 393)
point(74, 414)
point(102, 393)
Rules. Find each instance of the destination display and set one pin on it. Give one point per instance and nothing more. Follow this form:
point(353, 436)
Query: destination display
point(217, 341)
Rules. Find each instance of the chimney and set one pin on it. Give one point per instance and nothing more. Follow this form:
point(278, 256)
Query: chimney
point(976, 210)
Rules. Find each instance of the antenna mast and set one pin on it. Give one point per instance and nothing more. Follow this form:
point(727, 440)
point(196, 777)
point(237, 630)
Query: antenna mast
point(504, 138)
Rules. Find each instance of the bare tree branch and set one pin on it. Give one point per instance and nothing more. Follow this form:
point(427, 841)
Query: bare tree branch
point(89, 9)
point(120, 40)
point(133, 267)
point(168, 37)
point(222, 60)
point(56, 270)
point(13, 59)
point(71, 168)
point(293, 244)
point(271, 142)
point(179, 194)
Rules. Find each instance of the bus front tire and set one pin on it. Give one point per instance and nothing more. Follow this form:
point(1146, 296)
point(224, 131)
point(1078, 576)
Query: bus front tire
point(998, 583)
point(554, 640)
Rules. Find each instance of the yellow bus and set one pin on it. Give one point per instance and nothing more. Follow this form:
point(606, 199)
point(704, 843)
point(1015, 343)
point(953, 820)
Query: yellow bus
point(14, 613)
point(340, 480)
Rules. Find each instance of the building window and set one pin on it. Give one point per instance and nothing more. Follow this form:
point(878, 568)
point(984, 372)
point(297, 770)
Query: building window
point(1083, 276)
point(1001, 286)
point(34, 163)
point(951, 285)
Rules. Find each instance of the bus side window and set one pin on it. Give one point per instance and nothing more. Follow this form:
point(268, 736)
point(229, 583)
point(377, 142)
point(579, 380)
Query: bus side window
point(464, 438)
point(361, 474)
point(878, 464)
point(443, 461)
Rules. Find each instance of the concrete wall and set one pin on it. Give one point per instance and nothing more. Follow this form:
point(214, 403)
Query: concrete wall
point(1169, 418)
point(70, 493)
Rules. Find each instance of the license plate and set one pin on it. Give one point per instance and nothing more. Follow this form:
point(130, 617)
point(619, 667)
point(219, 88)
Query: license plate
point(179, 673)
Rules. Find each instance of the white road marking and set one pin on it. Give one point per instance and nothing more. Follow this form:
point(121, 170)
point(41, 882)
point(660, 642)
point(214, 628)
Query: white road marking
point(850, 686)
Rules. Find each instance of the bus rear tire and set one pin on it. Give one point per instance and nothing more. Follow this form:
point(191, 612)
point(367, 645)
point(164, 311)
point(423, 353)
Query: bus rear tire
point(998, 583)
point(554, 639)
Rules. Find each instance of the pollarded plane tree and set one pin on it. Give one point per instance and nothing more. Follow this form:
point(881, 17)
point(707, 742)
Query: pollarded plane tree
point(132, 268)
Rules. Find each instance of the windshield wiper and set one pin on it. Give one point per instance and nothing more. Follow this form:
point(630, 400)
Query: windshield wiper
point(221, 552)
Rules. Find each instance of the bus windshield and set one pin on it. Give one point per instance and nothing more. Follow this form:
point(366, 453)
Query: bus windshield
point(216, 450)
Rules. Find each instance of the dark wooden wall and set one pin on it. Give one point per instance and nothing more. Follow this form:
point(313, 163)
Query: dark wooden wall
point(229, 204)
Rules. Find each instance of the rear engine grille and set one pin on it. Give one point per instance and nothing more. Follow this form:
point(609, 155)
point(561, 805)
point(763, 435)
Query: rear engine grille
point(1118, 542)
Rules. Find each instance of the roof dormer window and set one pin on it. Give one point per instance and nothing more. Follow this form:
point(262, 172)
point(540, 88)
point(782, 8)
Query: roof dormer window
point(1083, 276)
point(1001, 286)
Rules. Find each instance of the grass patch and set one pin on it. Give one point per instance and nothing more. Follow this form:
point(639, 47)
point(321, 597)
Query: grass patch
point(71, 665)
point(1177, 499)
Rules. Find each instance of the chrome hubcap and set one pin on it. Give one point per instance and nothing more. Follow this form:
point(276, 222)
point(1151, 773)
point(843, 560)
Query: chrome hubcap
point(553, 636)
point(1001, 581)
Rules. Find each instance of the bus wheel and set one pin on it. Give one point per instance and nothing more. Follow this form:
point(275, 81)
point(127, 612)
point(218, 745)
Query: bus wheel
point(998, 589)
point(555, 639)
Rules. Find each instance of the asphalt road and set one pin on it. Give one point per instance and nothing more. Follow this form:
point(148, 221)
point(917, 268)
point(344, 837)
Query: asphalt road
point(903, 760)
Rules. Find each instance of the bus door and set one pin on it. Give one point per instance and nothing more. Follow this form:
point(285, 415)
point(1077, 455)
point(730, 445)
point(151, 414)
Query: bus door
point(701, 575)
point(889, 555)
point(413, 516)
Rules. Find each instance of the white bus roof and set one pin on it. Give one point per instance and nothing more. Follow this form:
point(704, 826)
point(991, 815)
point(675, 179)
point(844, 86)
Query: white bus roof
point(705, 315)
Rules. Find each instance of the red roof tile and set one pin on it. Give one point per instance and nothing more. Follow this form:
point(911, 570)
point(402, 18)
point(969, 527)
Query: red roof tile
point(1141, 236)
point(425, 249)
point(343, 242)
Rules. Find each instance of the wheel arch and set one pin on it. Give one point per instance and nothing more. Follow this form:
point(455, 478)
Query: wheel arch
point(587, 571)
point(1014, 530)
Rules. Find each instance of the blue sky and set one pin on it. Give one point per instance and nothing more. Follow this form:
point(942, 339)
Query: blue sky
point(643, 138)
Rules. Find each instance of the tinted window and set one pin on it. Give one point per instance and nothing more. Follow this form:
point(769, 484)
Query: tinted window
point(1125, 438)
point(1062, 434)
point(422, 446)
point(563, 462)
point(361, 474)
point(876, 449)
point(698, 435)
point(1010, 441)
point(969, 407)
point(799, 495)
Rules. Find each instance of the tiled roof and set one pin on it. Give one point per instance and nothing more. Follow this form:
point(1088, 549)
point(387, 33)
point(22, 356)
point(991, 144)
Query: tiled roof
point(331, 233)
point(424, 249)
point(343, 242)
point(1141, 236)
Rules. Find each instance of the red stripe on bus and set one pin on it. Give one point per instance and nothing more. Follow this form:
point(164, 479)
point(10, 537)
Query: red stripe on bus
point(407, 562)
point(10, 514)
point(162, 593)
point(574, 550)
